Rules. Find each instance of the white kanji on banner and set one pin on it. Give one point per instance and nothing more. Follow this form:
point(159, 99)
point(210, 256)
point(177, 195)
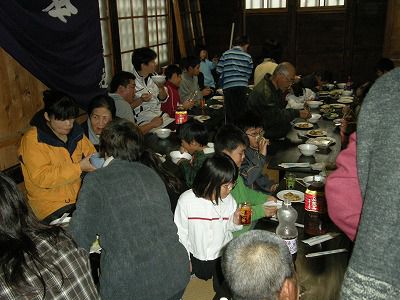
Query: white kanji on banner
point(61, 9)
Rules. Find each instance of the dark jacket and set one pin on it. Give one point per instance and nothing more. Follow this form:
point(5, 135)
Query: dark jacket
point(265, 101)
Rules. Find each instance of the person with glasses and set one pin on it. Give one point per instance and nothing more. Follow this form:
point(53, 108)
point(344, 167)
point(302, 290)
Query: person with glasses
point(267, 102)
point(206, 216)
point(253, 164)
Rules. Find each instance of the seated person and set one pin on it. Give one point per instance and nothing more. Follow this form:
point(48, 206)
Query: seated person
point(122, 90)
point(194, 139)
point(253, 164)
point(127, 205)
point(152, 94)
point(206, 68)
point(54, 153)
point(233, 142)
point(173, 76)
point(298, 96)
point(316, 80)
point(258, 265)
point(272, 54)
point(38, 261)
point(189, 88)
point(265, 101)
point(101, 111)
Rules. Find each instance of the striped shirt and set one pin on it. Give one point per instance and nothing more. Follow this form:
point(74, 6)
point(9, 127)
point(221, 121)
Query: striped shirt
point(204, 228)
point(235, 67)
point(76, 282)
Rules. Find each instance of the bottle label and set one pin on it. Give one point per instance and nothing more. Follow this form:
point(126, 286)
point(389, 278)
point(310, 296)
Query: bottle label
point(292, 245)
point(313, 201)
point(180, 116)
point(245, 214)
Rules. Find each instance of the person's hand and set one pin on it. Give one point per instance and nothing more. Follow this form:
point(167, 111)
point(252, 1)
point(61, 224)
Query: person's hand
point(145, 97)
point(305, 114)
point(274, 187)
point(269, 211)
point(156, 122)
point(262, 146)
point(206, 91)
point(182, 149)
point(236, 216)
point(190, 267)
point(188, 104)
point(85, 165)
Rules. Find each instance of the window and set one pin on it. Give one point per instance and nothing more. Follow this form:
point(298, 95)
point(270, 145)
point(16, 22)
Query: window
point(192, 24)
point(321, 3)
point(256, 4)
point(106, 38)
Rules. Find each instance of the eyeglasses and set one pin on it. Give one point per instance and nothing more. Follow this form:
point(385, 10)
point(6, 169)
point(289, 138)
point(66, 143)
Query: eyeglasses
point(257, 134)
point(229, 185)
point(291, 81)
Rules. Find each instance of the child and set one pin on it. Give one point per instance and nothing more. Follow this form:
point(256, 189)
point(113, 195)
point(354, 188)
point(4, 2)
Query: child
point(206, 67)
point(194, 138)
point(173, 77)
point(255, 156)
point(233, 142)
point(206, 215)
point(299, 96)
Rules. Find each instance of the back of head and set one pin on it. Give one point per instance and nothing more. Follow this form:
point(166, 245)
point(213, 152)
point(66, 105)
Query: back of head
point(284, 68)
point(384, 65)
point(241, 41)
point(297, 88)
point(249, 120)
point(121, 139)
point(272, 49)
point(256, 264)
point(190, 61)
point(194, 131)
point(102, 101)
point(59, 105)
point(214, 172)
point(228, 138)
point(121, 79)
point(142, 56)
point(171, 70)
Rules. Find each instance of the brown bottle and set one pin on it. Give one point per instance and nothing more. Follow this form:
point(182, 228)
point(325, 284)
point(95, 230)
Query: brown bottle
point(315, 210)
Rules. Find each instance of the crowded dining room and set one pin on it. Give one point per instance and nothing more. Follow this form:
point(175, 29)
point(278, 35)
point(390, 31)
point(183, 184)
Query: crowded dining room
point(199, 150)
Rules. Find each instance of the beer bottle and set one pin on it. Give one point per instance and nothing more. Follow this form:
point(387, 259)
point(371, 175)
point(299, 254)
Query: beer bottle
point(315, 210)
point(286, 229)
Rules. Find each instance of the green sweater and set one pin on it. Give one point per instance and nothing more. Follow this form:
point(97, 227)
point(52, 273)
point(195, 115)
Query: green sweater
point(190, 168)
point(242, 193)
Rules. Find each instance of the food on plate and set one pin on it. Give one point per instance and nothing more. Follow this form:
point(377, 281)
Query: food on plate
point(316, 132)
point(291, 196)
point(331, 116)
point(303, 125)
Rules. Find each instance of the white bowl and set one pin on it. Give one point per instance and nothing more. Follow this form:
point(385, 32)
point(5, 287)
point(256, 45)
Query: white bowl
point(307, 180)
point(158, 79)
point(314, 118)
point(314, 104)
point(163, 133)
point(347, 92)
point(341, 85)
point(329, 86)
point(177, 156)
point(307, 149)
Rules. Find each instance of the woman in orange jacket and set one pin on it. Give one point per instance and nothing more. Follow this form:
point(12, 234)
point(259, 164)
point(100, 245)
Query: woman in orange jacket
point(53, 155)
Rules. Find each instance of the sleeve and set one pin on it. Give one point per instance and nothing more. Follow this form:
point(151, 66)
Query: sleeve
point(85, 223)
point(251, 171)
point(184, 91)
point(39, 165)
point(343, 194)
point(124, 111)
point(211, 65)
point(190, 168)
point(182, 223)
point(87, 146)
point(220, 65)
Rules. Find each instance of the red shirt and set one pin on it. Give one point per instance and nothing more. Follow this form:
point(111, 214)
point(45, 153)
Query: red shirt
point(173, 101)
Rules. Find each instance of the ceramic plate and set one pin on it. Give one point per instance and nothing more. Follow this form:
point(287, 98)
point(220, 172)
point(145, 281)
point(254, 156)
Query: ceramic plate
point(345, 100)
point(216, 106)
point(303, 125)
point(316, 133)
point(202, 118)
point(323, 141)
point(338, 105)
point(218, 97)
point(292, 195)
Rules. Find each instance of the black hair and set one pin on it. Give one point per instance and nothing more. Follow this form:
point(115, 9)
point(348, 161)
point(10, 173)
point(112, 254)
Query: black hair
point(171, 70)
point(194, 131)
point(142, 56)
point(229, 137)
point(241, 40)
point(326, 76)
point(214, 172)
point(102, 101)
point(123, 140)
point(19, 230)
point(298, 88)
point(59, 105)
point(384, 65)
point(272, 49)
point(249, 120)
point(190, 61)
point(121, 79)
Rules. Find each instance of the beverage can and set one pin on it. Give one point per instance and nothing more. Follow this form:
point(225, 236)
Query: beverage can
point(245, 213)
point(314, 198)
point(181, 115)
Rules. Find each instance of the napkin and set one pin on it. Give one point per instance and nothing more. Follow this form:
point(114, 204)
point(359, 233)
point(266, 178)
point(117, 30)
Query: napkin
point(294, 165)
point(321, 238)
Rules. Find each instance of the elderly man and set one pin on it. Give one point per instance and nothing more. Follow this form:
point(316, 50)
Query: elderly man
point(258, 265)
point(266, 101)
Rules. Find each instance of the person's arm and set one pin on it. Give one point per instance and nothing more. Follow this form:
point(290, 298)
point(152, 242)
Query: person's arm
point(252, 172)
point(233, 223)
point(154, 123)
point(182, 223)
point(185, 91)
point(124, 111)
point(343, 193)
point(162, 93)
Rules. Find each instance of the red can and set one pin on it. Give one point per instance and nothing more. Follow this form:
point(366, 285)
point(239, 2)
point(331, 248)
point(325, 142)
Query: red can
point(181, 116)
point(245, 213)
point(314, 198)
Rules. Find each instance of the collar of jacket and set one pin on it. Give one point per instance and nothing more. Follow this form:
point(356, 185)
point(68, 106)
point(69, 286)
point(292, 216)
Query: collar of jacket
point(47, 136)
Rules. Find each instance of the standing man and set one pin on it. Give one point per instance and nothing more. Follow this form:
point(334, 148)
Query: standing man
point(235, 67)
point(266, 102)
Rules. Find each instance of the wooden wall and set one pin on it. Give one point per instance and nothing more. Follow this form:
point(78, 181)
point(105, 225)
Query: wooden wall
point(392, 33)
point(20, 98)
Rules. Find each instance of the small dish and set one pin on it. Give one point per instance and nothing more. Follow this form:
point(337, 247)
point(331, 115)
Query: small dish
point(292, 195)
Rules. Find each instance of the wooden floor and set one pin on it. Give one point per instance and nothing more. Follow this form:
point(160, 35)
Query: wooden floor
point(198, 289)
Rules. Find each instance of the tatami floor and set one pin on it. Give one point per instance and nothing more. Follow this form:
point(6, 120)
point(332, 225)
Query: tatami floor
point(198, 289)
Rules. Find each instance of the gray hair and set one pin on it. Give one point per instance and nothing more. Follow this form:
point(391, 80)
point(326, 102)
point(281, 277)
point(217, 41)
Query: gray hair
point(256, 264)
point(283, 68)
